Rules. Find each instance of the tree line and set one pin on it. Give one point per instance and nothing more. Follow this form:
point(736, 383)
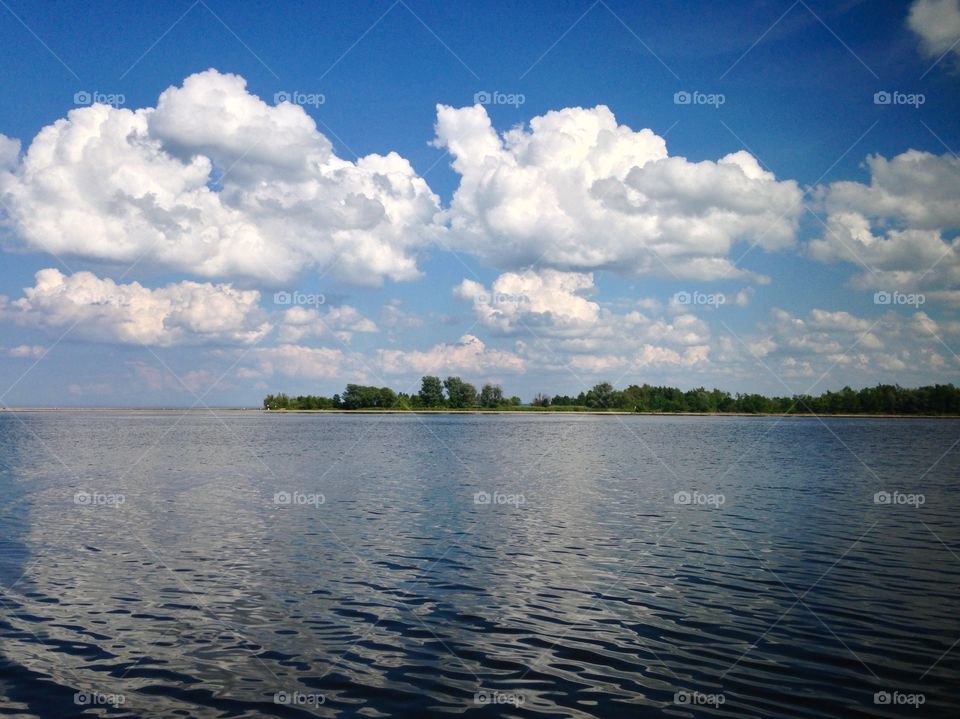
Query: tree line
point(455, 393)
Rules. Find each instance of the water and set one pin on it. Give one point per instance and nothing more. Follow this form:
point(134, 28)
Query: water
point(179, 586)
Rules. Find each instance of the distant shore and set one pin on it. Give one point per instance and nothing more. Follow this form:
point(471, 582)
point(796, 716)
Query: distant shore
point(529, 410)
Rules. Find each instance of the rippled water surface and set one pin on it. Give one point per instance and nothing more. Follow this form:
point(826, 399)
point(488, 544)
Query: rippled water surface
point(150, 565)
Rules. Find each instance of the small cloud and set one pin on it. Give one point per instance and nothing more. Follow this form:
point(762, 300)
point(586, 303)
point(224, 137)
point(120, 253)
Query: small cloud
point(27, 351)
point(937, 23)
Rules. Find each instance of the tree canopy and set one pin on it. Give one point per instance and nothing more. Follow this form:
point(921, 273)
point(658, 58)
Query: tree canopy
point(456, 393)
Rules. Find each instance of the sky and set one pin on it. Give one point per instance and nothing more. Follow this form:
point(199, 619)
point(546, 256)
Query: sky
point(203, 202)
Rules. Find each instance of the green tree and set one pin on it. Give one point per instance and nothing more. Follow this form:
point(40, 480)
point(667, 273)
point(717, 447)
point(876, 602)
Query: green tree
point(431, 392)
point(601, 396)
point(460, 394)
point(491, 395)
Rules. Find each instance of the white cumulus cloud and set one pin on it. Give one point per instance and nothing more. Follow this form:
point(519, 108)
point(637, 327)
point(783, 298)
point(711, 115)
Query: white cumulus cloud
point(577, 191)
point(215, 182)
point(937, 22)
point(470, 354)
point(300, 323)
point(522, 301)
point(900, 229)
point(102, 310)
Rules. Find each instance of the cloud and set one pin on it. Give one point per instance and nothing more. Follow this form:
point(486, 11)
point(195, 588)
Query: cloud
point(576, 191)
point(937, 22)
point(307, 362)
point(563, 329)
point(650, 355)
point(394, 317)
point(27, 351)
point(897, 227)
point(862, 350)
point(552, 304)
point(101, 310)
point(526, 301)
point(9, 152)
point(300, 323)
point(216, 183)
point(470, 354)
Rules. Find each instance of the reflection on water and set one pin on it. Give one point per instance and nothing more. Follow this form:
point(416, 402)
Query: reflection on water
point(247, 565)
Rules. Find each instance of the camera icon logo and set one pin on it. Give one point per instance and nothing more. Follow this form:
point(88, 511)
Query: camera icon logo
point(282, 96)
point(882, 497)
point(482, 498)
point(881, 698)
point(682, 98)
point(282, 498)
point(682, 298)
point(481, 98)
point(881, 298)
point(682, 498)
point(82, 97)
point(82, 498)
point(882, 98)
point(282, 298)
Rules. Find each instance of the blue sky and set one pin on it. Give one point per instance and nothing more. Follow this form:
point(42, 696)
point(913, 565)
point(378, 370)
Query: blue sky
point(546, 262)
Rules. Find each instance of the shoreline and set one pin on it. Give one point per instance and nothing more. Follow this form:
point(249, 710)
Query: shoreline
point(594, 413)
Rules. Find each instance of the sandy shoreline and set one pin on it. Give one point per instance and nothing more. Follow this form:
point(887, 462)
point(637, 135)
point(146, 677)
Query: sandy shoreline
point(257, 410)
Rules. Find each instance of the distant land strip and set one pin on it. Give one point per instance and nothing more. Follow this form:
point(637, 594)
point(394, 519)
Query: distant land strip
point(454, 394)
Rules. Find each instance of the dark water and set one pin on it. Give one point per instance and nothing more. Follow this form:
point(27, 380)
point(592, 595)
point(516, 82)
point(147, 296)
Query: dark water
point(178, 585)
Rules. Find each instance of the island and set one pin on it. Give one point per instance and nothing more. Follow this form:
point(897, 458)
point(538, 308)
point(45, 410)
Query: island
point(455, 394)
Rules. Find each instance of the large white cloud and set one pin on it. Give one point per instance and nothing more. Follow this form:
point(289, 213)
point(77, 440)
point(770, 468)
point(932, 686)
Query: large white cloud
point(937, 22)
point(518, 301)
point(900, 229)
point(101, 310)
point(215, 182)
point(577, 191)
point(561, 328)
point(300, 323)
point(468, 355)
